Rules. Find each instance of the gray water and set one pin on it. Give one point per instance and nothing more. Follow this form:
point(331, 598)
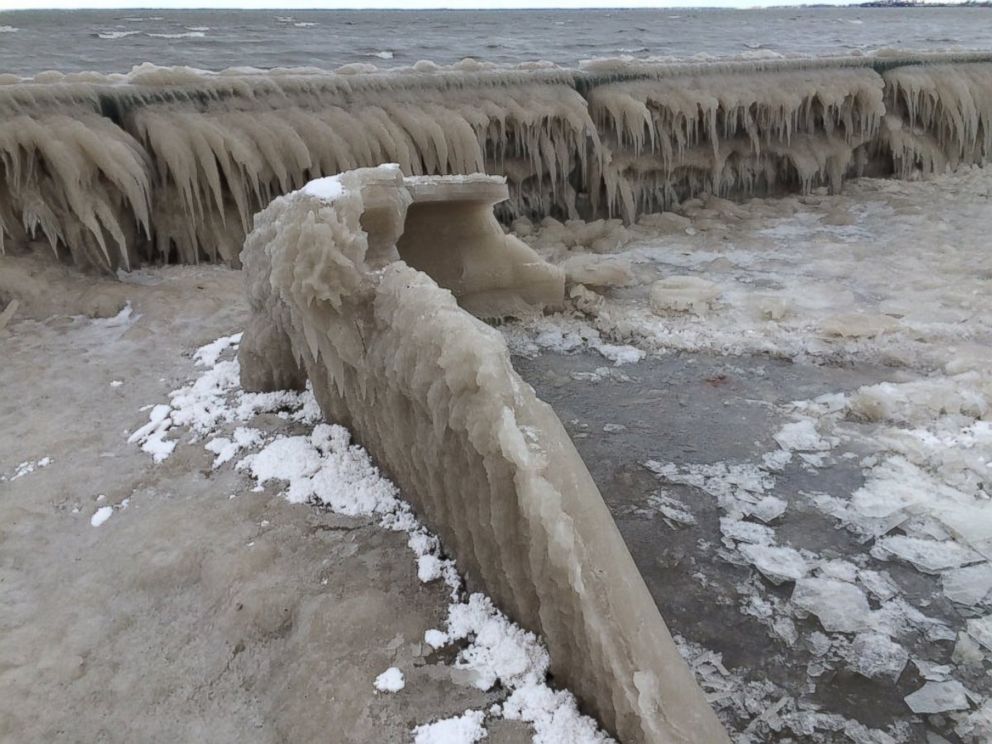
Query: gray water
point(116, 40)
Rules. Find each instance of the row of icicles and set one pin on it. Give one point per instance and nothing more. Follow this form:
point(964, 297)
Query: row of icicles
point(180, 181)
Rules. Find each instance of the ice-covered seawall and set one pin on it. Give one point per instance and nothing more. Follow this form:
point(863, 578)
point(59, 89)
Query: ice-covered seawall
point(170, 164)
point(429, 390)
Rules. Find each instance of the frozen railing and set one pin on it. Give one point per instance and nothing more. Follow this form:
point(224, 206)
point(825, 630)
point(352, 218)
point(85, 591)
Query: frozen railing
point(170, 164)
point(430, 391)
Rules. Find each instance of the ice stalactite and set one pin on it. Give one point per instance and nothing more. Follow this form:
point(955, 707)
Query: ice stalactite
point(673, 137)
point(76, 181)
point(939, 117)
point(170, 164)
point(216, 168)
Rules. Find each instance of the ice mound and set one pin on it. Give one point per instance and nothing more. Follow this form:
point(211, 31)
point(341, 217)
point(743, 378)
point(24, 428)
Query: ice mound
point(683, 294)
point(430, 392)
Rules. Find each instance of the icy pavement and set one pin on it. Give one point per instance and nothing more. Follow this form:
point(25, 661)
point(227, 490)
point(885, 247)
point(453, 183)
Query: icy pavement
point(801, 460)
point(320, 466)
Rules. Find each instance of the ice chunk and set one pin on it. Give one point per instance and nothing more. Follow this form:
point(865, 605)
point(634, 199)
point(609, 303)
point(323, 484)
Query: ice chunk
point(683, 294)
point(786, 630)
point(980, 628)
point(968, 652)
point(778, 564)
point(839, 605)
point(747, 532)
point(839, 569)
point(968, 586)
point(877, 655)
point(767, 509)
point(819, 643)
point(671, 509)
point(777, 460)
point(878, 584)
point(938, 697)
point(801, 436)
point(597, 271)
point(933, 672)
point(976, 725)
point(858, 325)
point(929, 556)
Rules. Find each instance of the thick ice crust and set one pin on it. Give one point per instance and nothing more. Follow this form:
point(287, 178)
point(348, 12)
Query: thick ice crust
point(431, 392)
point(171, 164)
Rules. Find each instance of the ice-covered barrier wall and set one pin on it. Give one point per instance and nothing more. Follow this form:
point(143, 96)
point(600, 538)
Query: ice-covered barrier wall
point(430, 392)
point(170, 164)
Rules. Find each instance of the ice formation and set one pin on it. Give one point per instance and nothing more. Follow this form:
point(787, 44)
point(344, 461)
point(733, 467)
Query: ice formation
point(171, 163)
point(324, 466)
point(431, 393)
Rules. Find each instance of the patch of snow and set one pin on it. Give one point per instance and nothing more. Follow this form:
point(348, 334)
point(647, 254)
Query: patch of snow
point(464, 729)
point(213, 399)
point(101, 515)
point(435, 638)
point(28, 466)
point(226, 448)
point(390, 680)
point(208, 354)
point(328, 189)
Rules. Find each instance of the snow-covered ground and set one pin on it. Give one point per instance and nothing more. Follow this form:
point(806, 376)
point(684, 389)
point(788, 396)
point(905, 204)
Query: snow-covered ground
point(808, 434)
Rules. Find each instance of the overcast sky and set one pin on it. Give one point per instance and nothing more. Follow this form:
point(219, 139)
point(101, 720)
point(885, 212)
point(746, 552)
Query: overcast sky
point(319, 4)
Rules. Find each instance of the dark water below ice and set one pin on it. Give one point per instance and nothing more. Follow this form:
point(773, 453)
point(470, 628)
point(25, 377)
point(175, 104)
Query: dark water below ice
point(703, 409)
point(116, 40)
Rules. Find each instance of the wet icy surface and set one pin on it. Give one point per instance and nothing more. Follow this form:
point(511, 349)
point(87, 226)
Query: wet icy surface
point(797, 448)
point(702, 411)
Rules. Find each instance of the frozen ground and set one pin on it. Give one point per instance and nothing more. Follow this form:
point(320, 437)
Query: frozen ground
point(791, 429)
point(787, 406)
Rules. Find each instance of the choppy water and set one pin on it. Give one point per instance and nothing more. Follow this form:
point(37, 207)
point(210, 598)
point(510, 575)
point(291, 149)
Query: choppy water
point(114, 41)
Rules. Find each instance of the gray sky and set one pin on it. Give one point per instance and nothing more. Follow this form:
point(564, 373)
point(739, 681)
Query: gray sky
point(318, 4)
